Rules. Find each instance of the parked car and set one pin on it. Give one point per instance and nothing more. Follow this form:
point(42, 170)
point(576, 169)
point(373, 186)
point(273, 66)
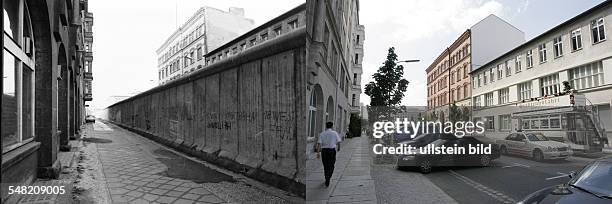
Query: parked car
point(425, 162)
point(424, 139)
point(534, 145)
point(593, 184)
point(90, 119)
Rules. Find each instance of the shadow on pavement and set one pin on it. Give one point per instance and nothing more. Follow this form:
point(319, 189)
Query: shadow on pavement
point(183, 168)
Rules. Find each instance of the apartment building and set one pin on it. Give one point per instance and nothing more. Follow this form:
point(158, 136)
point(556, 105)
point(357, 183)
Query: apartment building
point(209, 28)
point(448, 79)
point(335, 52)
point(568, 65)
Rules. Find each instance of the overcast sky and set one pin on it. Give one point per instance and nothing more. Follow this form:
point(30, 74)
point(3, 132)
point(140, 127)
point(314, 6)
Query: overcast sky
point(127, 33)
point(421, 29)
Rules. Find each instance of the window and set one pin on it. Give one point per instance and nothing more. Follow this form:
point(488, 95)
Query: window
point(489, 99)
point(586, 76)
point(489, 123)
point(199, 53)
point(541, 122)
point(504, 95)
point(18, 76)
point(458, 75)
point(252, 42)
point(293, 24)
point(517, 64)
point(264, 37)
point(598, 30)
point(477, 101)
point(492, 75)
point(277, 31)
point(465, 90)
point(549, 84)
point(524, 91)
point(507, 68)
point(500, 72)
point(242, 46)
point(576, 40)
point(529, 59)
point(356, 58)
point(558, 47)
point(504, 122)
point(479, 78)
point(465, 71)
point(542, 52)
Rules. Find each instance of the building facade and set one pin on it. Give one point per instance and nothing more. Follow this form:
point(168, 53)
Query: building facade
point(448, 79)
point(43, 86)
point(209, 28)
point(576, 53)
point(335, 52)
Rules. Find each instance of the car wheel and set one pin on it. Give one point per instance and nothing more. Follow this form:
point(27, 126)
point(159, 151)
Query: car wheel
point(425, 166)
point(503, 150)
point(537, 155)
point(485, 160)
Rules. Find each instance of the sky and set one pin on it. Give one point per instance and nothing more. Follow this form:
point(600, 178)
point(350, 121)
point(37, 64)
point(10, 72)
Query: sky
point(127, 33)
point(421, 29)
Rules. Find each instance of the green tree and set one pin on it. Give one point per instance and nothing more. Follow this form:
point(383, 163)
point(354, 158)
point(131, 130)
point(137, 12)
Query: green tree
point(388, 86)
point(454, 113)
point(355, 126)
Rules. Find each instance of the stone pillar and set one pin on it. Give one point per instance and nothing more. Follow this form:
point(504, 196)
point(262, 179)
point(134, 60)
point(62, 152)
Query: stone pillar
point(63, 107)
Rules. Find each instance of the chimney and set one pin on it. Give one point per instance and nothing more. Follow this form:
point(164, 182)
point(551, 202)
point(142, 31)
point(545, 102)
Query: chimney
point(236, 11)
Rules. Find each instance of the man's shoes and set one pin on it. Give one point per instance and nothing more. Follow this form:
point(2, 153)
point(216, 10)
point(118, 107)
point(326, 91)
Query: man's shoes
point(326, 183)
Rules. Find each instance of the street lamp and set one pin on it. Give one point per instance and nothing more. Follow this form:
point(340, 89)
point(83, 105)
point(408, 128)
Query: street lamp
point(408, 61)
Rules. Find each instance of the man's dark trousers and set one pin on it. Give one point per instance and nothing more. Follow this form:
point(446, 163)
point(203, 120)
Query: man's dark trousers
point(328, 156)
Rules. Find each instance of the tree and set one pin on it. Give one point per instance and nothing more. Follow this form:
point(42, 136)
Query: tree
point(388, 86)
point(454, 113)
point(355, 126)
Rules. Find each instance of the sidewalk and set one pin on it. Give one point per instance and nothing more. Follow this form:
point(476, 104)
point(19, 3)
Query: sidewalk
point(351, 182)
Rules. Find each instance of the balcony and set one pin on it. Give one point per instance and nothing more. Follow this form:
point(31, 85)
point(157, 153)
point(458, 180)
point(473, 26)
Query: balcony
point(88, 56)
point(87, 97)
point(88, 36)
point(88, 76)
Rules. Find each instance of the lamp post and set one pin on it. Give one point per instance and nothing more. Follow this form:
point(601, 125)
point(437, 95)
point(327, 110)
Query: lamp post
point(408, 61)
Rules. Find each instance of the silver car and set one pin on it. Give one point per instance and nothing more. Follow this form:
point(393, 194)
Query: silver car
point(534, 145)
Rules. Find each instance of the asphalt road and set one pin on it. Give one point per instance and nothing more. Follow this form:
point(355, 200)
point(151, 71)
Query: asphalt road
point(509, 180)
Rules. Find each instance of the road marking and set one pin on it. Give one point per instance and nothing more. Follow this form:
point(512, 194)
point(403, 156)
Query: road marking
point(501, 197)
point(561, 175)
point(515, 165)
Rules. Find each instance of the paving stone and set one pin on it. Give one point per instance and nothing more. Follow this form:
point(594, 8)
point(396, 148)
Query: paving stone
point(150, 197)
point(210, 199)
point(139, 201)
point(183, 201)
point(174, 193)
point(191, 196)
point(159, 191)
point(200, 191)
point(165, 199)
point(135, 194)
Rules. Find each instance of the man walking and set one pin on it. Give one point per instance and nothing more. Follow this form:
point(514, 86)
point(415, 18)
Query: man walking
point(326, 149)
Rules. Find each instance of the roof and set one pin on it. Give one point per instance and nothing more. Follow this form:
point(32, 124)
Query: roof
point(552, 30)
point(258, 29)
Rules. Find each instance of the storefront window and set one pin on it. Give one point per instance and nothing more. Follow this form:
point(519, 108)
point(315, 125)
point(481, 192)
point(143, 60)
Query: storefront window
point(9, 101)
point(18, 77)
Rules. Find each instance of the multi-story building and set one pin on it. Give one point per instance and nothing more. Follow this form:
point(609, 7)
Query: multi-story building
point(183, 52)
point(576, 53)
point(448, 79)
point(87, 31)
point(335, 52)
point(45, 86)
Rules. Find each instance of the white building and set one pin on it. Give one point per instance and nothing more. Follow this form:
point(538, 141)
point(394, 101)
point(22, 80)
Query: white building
point(576, 51)
point(209, 28)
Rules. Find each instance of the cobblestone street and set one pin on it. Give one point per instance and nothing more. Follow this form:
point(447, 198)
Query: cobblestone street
point(138, 170)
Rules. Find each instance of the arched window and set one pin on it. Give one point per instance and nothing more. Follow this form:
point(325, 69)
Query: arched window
point(18, 76)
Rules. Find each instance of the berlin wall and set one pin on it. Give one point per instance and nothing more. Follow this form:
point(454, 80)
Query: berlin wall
point(243, 113)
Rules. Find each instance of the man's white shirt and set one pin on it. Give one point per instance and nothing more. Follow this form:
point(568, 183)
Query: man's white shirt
point(329, 138)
